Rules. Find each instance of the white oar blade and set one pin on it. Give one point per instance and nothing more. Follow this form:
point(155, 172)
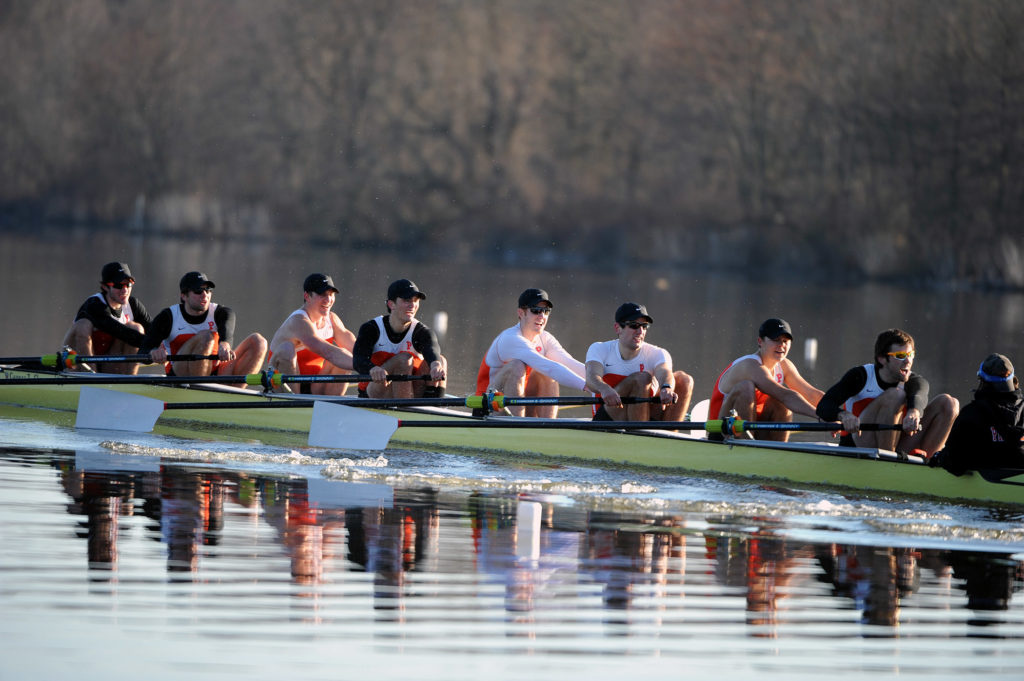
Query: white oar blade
point(112, 410)
point(338, 426)
point(699, 412)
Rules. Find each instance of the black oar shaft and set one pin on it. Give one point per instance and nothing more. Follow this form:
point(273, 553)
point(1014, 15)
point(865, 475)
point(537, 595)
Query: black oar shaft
point(372, 403)
point(62, 359)
point(154, 379)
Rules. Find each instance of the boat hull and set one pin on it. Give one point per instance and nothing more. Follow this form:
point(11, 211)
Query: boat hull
point(819, 464)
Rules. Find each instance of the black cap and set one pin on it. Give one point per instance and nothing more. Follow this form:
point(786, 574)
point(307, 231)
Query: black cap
point(194, 280)
point(627, 312)
point(404, 288)
point(997, 372)
point(115, 273)
point(319, 283)
point(773, 328)
point(532, 296)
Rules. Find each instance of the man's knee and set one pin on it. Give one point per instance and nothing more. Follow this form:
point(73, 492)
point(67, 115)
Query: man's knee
point(744, 391)
point(79, 330)
point(946, 406)
point(684, 382)
point(402, 363)
point(512, 373)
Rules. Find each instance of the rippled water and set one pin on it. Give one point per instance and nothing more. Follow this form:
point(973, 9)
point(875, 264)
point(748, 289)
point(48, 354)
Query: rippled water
point(153, 557)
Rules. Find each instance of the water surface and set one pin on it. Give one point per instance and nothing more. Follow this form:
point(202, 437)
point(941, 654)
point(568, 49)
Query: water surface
point(157, 557)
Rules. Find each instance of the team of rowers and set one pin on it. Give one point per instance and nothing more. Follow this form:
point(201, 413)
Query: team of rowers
point(527, 360)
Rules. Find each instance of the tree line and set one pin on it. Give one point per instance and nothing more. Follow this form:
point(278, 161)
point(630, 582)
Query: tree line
point(853, 140)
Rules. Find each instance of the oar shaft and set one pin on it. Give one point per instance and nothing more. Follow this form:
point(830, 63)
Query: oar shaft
point(710, 426)
point(154, 379)
point(68, 359)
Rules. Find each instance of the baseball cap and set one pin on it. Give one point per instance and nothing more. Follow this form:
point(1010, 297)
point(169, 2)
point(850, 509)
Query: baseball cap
point(115, 273)
point(194, 280)
point(532, 296)
point(404, 288)
point(319, 283)
point(627, 312)
point(773, 328)
point(997, 371)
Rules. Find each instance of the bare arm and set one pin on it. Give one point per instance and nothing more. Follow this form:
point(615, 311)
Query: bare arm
point(343, 338)
point(596, 383)
point(298, 329)
point(798, 383)
point(765, 382)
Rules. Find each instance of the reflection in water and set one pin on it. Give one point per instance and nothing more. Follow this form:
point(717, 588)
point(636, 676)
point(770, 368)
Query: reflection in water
point(475, 572)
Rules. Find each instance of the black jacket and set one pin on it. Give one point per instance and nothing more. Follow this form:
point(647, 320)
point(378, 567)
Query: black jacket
point(988, 433)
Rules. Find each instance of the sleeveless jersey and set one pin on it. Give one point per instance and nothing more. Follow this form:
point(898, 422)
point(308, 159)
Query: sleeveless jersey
point(717, 397)
point(182, 330)
point(309, 362)
point(856, 404)
point(101, 340)
point(384, 349)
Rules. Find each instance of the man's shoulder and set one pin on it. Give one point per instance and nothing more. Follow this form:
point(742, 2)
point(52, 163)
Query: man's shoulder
point(747, 364)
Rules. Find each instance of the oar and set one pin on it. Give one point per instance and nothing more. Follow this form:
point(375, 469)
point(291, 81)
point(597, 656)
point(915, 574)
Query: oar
point(338, 425)
point(114, 410)
point(68, 360)
point(265, 379)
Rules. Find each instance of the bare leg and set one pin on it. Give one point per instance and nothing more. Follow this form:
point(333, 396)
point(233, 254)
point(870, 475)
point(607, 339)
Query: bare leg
point(887, 408)
point(936, 423)
point(337, 389)
point(249, 356)
point(510, 380)
point(119, 347)
point(79, 338)
point(741, 398)
point(677, 411)
point(640, 384)
point(399, 365)
point(203, 343)
point(778, 412)
point(539, 385)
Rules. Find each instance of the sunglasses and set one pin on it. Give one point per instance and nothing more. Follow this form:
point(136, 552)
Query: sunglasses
point(540, 310)
point(123, 285)
point(902, 356)
point(200, 289)
point(636, 325)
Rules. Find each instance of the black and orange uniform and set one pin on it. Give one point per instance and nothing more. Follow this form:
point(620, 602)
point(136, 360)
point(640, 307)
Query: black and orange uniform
point(173, 326)
point(109, 324)
point(858, 388)
point(377, 342)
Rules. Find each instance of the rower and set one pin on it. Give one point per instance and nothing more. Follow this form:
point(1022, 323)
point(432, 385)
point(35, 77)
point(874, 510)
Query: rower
point(399, 344)
point(526, 360)
point(111, 322)
point(989, 431)
point(313, 340)
point(629, 366)
point(887, 391)
point(198, 326)
point(764, 385)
